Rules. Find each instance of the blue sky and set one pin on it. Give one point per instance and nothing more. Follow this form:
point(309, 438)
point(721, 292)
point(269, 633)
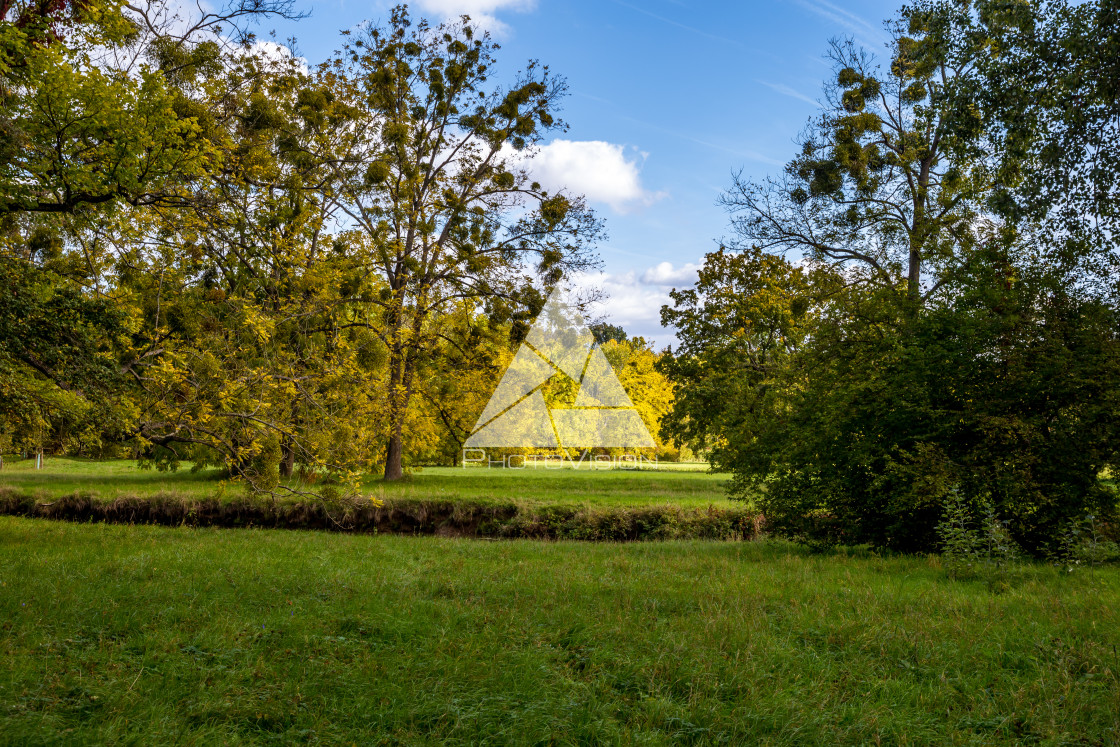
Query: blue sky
point(667, 99)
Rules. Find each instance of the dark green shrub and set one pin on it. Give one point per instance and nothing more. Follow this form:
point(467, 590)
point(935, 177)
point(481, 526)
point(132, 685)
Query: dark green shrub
point(975, 542)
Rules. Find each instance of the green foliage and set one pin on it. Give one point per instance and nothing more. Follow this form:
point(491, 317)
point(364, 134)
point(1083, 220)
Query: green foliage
point(975, 542)
point(604, 332)
point(1083, 543)
point(264, 465)
point(266, 267)
point(748, 313)
point(1009, 397)
point(81, 134)
point(950, 348)
point(60, 381)
point(1052, 130)
point(114, 123)
point(961, 542)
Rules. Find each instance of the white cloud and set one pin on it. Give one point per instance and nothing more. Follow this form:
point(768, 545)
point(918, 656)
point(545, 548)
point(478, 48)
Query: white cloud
point(601, 171)
point(628, 303)
point(634, 299)
point(667, 275)
point(482, 12)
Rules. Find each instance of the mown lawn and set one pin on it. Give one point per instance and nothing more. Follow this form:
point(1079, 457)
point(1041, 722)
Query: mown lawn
point(684, 485)
point(179, 636)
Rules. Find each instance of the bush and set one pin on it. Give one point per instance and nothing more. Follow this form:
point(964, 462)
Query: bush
point(1082, 544)
point(975, 543)
point(1015, 406)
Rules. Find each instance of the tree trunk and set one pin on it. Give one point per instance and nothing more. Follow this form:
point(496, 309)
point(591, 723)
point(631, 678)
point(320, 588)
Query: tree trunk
point(399, 385)
point(287, 458)
point(401, 369)
point(914, 277)
point(394, 464)
point(288, 444)
point(919, 233)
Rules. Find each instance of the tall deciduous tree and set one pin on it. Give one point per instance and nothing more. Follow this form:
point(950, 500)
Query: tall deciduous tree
point(635, 362)
point(435, 199)
point(887, 183)
point(739, 326)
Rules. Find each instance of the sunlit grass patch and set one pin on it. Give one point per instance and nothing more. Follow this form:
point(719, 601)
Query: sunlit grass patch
point(688, 485)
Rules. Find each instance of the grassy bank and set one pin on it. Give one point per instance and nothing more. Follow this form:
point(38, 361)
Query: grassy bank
point(115, 633)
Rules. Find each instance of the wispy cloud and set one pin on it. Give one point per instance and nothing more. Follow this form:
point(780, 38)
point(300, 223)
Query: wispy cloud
point(858, 26)
point(686, 27)
point(750, 155)
point(787, 91)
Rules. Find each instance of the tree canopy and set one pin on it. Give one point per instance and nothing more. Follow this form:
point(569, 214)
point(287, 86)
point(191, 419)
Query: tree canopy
point(214, 254)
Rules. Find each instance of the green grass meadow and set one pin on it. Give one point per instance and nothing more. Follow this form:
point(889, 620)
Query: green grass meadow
point(680, 484)
point(136, 634)
point(130, 634)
